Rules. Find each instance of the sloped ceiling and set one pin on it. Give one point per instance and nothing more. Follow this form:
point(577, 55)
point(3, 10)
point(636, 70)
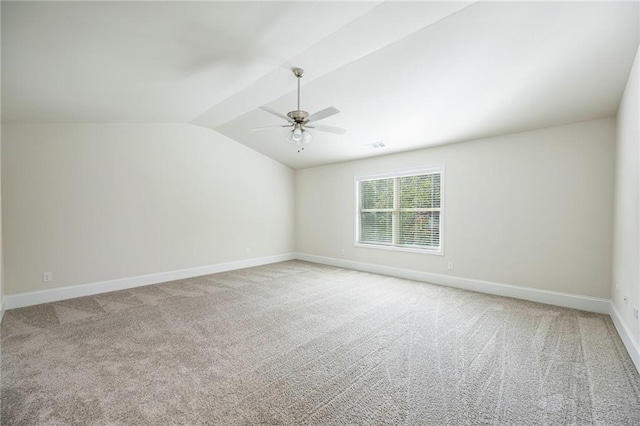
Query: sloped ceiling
point(410, 74)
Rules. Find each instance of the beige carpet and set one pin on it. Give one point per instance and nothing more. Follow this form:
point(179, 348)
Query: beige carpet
point(299, 343)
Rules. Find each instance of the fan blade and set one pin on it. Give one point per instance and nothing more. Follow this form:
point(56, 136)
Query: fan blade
point(321, 115)
point(330, 129)
point(272, 126)
point(276, 113)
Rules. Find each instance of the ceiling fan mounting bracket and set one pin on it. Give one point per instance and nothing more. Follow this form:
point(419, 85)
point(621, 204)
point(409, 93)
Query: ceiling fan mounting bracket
point(298, 72)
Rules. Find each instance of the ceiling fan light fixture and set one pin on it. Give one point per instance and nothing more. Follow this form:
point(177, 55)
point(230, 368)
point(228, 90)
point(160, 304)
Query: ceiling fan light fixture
point(306, 136)
point(296, 135)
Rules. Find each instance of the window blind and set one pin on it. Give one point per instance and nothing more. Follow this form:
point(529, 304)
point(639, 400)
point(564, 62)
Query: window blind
point(401, 210)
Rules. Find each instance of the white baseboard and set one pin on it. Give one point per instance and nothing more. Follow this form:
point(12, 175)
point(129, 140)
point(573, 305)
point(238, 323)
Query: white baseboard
point(44, 296)
point(1, 310)
point(632, 345)
point(567, 300)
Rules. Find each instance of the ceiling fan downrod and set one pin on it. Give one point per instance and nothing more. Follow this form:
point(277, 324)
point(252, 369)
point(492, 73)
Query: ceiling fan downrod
point(298, 72)
point(298, 115)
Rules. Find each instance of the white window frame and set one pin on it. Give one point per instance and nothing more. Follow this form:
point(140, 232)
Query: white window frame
point(438, 168)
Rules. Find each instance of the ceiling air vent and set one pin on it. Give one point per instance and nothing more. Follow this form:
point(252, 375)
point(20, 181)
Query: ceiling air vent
point(375, 145)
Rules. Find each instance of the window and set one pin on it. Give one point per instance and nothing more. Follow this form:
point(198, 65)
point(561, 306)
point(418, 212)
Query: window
point(401, 210)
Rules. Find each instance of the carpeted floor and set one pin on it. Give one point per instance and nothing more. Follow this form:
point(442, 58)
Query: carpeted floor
point(299, 343)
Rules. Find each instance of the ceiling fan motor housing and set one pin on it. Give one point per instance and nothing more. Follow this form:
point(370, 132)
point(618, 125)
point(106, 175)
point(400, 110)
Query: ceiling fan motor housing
point(298, 116)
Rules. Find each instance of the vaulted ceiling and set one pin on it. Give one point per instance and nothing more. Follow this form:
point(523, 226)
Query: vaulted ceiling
point(409, 74)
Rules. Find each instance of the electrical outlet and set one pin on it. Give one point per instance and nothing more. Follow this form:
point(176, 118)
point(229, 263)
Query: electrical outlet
point(449, 265)
point(635, 312)
point(342, 252)
point(47, 276)
point(626, 299)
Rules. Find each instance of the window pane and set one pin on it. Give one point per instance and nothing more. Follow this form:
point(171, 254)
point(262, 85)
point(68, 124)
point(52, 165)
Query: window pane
point(377, 194)
point(420, 191)
point(376, 227)
point(419, 229)
point(405, 223)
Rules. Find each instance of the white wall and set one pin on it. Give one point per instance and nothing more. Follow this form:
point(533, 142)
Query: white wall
point(530, 209)
point(2, 305)
point(96, 202)
point(626, 258)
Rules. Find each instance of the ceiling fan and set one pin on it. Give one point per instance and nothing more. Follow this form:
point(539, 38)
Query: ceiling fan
point(300, 120)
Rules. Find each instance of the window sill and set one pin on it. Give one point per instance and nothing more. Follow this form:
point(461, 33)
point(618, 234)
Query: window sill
point(437, 252)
